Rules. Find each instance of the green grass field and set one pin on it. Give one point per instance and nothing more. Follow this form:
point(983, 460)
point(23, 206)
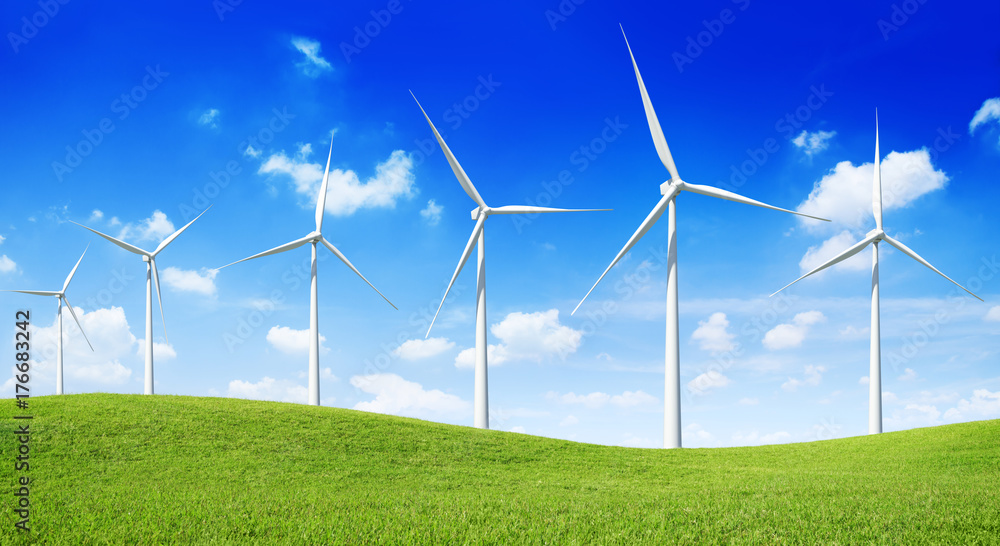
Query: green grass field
point(147, 469)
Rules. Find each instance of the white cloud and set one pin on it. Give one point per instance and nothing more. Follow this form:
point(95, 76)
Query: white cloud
point(208, 118)
point(313, 64)
point(94, 216)
point(989, 111)
point(397, 396)
point(596, 400)
point(569, 421)
point(813, 143)
point(161, 351)
point(431, 213)
point(754, 438)
point(268, 388)
point(889, 397)
point(527, 336)
point(813, 376)
point(844, 195)
point(7, 265)
point(252, 152)
point(518, 429)
point(908, 375)
point(993, 314)
point(864, 380)
point(749, 401)
point(393, 180)
point(696, 433)
point(2, 239)
point(191, 281)
point(154, 228)
point(416, 349)
point(713, 335)
point(784, 336)
point(706, 381)
point(983, 405)
point(852, 332)
point(818, 255)
point(107, 330)
point(292, 341)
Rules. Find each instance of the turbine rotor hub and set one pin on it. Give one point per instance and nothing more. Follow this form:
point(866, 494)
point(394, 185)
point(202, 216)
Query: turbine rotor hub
point(669, 185)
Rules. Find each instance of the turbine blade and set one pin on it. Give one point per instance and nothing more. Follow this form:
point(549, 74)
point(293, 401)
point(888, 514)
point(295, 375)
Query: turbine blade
point(123, 244)
point(909, 252)
point(461, 263)
point(159, 300)
point(858, 247)
point(877, 184)
point(525, 209)
point(723, 194)
point(72, 312)
point(174, 235)
point(654, 124)
point(651, 219)
point(348, 263)
point(34, 292)
point(73, 272)
point(287, 246)
point(463, 178)
point(321, 199)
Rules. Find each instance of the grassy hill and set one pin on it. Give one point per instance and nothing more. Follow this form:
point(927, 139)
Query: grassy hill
point(129, 468)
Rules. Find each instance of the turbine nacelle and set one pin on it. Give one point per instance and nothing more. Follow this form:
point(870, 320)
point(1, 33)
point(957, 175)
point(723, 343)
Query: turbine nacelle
point(672, 185)
point(876, 234)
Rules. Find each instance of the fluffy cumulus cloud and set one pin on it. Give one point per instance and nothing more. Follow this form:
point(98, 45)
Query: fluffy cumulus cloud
point(813, 376)
point(993, 314)
point(292, 341)
point(988, 113)
point(707, 381)
point(416, 349)
point(313, 64)
point(208, 118)
point(7, 265)
point(597, 400)
point(982, 405)
point(813, 143)
point(200, 282)
point(754, 438)
point(844, 195)
point(713, 335)
point(527, 336)
point(161, 351)
point(347, 193)
point(397, 396)
point(268, 388)
point(155, 228)
point(909, 374)
point(784, 336)
point(431, 213)
point(818, 255)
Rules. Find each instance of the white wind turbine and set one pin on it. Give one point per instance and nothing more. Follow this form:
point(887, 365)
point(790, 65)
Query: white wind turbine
point(151, 275)
point(669, 190)
point(479, 214)
point(314, 238)
point(61, 295)
point(873, 238)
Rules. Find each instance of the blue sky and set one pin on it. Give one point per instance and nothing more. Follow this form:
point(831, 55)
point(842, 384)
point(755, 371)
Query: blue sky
point(132, 119)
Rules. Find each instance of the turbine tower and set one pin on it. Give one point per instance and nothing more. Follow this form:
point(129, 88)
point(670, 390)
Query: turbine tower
point(873, 238)
point(479, 214)
point(61, 296)
point(151, 274)
point(669, 191)
point(314, 238)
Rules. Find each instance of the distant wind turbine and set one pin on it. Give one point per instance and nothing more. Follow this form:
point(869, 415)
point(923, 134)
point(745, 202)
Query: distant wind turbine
point(314, 238)
point(61, 296)
point(151, 274)
point(479, 214)
point(873, 238)
point(669, 190)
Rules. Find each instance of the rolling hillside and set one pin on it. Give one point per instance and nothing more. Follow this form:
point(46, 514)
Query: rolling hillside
point(148, 469)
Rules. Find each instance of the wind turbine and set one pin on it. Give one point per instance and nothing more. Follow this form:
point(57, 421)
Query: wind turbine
point(873, 238)
point(150, 259)
point(314, 238)
point(479, 214)
point(61, 296)
point(669, 190)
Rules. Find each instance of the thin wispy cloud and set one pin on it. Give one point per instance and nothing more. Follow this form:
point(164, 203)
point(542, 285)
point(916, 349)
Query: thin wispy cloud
point(313, 63)
point(813, 143)
point(209, 117)
point(988, 113)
